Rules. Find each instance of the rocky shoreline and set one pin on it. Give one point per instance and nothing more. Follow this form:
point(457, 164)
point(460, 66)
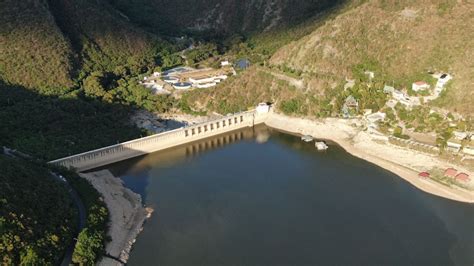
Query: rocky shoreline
point(127, 215)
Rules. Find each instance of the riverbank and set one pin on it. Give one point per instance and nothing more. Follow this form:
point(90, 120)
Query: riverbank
point(403, 162)
point(127, 215)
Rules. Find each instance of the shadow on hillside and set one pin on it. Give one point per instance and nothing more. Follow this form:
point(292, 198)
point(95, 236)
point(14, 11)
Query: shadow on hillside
point(52, 127)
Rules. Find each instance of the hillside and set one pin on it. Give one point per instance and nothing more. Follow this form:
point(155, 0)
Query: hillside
point(219, 17)
point(37, 222)
point(102, 37)
point(400, 41)
point(47, 45)
point(33, 51)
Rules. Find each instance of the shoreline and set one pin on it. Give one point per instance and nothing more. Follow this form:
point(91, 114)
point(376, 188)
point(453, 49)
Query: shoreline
point(127, 215)
point(360, 144)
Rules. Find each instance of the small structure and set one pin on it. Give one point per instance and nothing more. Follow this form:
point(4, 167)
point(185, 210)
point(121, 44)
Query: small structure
point(443, 79)
point(420, 86)
point(263, 108)
point(242, 63)
point(370, 74)
point(462, 177)
point(225, 63)
point(460, 135)
point(171, 80)
point(388, 89)
point(307, 138)
point(375, 117)
point(450, 172)
point(349, 103)
point(454, 145)
point(399, 95)
point(205, 85)
point(156, 74)
point(424, 175)
point(182, 86)
point(468, 149)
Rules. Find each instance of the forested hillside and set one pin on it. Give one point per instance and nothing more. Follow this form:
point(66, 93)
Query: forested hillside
point(220, 17)
point(37, 217)
point(33, 51)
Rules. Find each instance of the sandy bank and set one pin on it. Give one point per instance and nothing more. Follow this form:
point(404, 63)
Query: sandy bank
point(127, 215)
point(404, 162)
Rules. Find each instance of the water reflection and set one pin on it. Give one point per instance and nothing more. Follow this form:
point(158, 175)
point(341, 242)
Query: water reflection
point(229, 200)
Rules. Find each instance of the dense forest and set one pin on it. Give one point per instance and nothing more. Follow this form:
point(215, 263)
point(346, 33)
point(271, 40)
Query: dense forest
point(37, 216)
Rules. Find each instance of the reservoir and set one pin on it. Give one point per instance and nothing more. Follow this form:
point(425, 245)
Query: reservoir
point(262, 197)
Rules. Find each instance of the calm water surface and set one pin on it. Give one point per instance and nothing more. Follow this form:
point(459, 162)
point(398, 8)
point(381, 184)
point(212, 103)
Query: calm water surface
point(259, 197)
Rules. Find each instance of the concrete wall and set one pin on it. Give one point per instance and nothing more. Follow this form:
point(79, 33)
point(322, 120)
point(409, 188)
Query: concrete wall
point(115, 153)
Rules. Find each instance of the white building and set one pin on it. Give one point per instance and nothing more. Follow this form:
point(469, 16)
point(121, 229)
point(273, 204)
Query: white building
point(460, 135)
point(399, 95)
point(454, 145)
point(468, 150)
point(225, 63)
point(376, 117)
point(388, 89)
point(263, 108)
point(420, 86)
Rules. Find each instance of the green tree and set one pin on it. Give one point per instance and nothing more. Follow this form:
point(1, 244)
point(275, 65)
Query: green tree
point(89, 243)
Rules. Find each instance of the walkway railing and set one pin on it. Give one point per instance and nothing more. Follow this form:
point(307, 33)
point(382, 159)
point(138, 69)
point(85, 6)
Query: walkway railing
point(134, 148)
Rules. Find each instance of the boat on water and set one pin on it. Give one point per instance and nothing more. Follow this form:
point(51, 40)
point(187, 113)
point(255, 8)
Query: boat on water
point(321, 145)
point(307, 138)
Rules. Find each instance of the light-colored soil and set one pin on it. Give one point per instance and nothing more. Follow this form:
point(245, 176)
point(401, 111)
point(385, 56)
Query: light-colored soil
point(127, 215)
point(402, 161)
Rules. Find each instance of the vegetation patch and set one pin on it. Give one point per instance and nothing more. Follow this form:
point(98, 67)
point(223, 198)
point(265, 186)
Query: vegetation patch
point(37, 216)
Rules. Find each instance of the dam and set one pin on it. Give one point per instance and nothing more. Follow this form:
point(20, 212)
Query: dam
point(138, 147)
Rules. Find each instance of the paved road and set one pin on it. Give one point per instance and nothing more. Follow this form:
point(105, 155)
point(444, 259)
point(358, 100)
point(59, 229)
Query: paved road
point(67, 259)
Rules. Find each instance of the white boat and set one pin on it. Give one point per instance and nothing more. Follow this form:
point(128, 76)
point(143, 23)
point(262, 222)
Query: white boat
point(321, 145)
point(307, 138)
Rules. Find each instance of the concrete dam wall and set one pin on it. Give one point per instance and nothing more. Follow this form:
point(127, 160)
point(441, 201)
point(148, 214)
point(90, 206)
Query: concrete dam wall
point(119, 152)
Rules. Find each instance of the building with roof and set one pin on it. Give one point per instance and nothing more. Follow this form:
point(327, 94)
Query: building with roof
point(349, 104)
point(468, 149)
point(388, 89)
point(399, 95)
point(424, 175)
point(376, 117)
point(450, 172)
point(454, 145)
point(420, 86)
point(462, 177)
point(460, 135)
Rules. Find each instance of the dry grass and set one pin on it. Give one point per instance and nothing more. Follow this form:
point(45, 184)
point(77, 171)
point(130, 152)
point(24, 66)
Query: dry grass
point(405, 39)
